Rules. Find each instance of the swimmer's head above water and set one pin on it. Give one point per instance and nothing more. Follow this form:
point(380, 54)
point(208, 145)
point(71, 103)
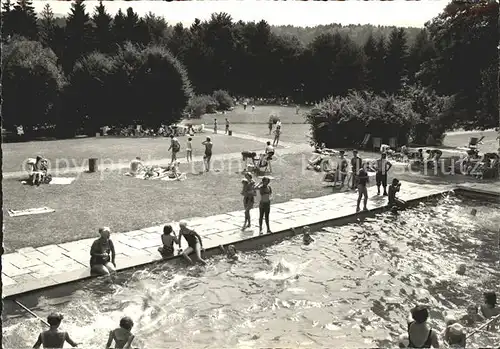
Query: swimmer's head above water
point(490, 298)
point(54, 319)
point(231, 251)
point(473, 212)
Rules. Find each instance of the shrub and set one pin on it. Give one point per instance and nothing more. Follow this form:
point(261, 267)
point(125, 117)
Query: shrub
point(343, 121)
point(223, 99)
point(32, 83)
point(199, 105)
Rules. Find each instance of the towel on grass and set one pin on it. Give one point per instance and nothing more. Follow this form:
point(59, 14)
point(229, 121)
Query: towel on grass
point(30, 211)
point(182, 177)
point(58, 180)
point(62, 180)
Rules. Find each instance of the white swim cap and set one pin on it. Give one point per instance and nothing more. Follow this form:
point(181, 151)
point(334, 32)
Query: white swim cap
point(183, 223)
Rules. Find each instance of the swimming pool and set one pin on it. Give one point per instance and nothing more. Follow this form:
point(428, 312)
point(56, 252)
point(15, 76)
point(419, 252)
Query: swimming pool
point(353, 287)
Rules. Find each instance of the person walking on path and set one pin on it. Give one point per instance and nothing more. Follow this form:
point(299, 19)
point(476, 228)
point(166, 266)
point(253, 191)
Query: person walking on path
point(356, 162)
point(175, 146)
point(265, 192)
point(277, 134)
point(215, 126)
point(227, 127)
point(248, 193)
point(208, 153)
point(362, 188)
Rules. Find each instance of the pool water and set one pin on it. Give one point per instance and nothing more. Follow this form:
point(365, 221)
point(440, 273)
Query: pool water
point(353, 287)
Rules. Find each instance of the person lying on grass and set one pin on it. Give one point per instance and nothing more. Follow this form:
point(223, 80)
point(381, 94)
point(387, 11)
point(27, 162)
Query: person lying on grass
point(136, 166)
point(53, 338)
point(122, 336)
point(102, 252)
point(168, 240)
point(194, 243)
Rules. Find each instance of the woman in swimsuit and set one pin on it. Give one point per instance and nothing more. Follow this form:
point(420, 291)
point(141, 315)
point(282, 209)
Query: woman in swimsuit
point(53, 338)
point(420, 335)
point(194, 243)
point(102, 252)
point(167, 239)
point(122, 336)
point(248, 193)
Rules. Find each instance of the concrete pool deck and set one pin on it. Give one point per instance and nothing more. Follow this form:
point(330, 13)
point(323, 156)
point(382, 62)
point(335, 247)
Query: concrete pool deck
point(29, 269)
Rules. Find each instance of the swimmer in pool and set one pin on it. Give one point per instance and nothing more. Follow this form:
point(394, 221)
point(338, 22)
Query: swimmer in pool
point(122, 336)
point(280, 268)
point(306, 238)
point(53, 338)
point(455, 336)
point(420, 334)
point(489, 309)
point(230, 252)
point(472, 317)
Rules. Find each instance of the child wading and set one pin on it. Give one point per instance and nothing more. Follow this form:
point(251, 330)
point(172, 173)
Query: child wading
point(168, 240)
point(122, 336)
point(53, 338)
point(265, 202)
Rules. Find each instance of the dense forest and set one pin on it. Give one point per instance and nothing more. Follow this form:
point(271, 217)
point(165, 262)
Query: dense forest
point(90, 68)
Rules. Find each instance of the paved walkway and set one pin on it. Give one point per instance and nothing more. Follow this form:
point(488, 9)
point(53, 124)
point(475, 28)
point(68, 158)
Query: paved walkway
point(35, 268)
point(283, 149)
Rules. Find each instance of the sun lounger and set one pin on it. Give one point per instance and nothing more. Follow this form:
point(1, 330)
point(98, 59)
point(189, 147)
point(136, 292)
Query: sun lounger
point(30, 211)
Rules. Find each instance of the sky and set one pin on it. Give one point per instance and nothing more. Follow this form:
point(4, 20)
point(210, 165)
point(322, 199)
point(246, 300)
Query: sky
point(298, 13)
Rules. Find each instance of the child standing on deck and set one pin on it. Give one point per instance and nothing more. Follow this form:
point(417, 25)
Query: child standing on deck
point(189, 150)
point(265, 192)
point(167, 239)
point(122, 336)
point(53, 338)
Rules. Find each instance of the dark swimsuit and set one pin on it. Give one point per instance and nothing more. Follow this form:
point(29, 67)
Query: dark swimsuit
point(427, 344)
point(100, 260)
point(191, 239)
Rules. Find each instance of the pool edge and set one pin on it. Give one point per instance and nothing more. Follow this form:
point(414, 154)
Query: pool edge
point(248, 244)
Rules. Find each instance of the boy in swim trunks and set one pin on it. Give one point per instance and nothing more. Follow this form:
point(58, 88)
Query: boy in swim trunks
point(383, 167)
point(168, 240)
point(53, 338)
point(208, 153)
point(122, 336)
point(342, 168)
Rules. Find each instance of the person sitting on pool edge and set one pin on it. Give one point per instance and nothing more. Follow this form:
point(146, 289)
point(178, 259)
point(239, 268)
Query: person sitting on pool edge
point(168, 240)
point(122, 336)
point(53, 338)
point(102, 252)
point(194, 243)
point(393, 201)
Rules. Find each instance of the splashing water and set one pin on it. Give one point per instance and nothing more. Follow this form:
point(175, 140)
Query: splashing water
point(353, 289)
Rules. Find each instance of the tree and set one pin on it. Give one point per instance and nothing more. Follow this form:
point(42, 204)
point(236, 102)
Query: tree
point(7, 23)
point(395, 61)
point(47, 27)
point(422, 51)
point(161, 87)
point(118, 28)
point(78, 35)
point(157, 29)
point(24, 21)
point(465, 37)
point(32, 83)
point(102, 29)
point(89, 97)
point(179, 41)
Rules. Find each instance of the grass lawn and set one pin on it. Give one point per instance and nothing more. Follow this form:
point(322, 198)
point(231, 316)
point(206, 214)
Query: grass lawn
point(76, 152)
point(259, 116)
point(461, 139)
point(126, 203)
point(293, 133)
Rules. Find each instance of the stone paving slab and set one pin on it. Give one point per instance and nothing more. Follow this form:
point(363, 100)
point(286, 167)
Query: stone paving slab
point(33, 268)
